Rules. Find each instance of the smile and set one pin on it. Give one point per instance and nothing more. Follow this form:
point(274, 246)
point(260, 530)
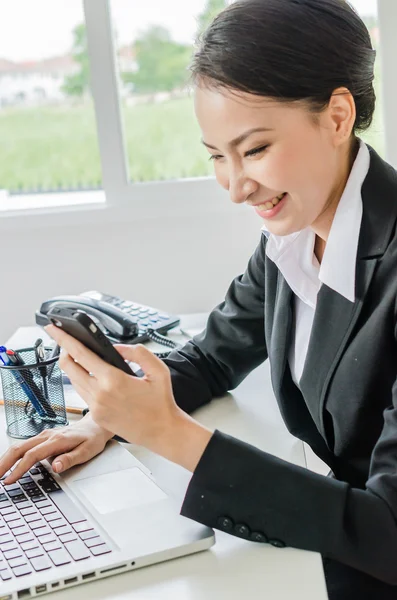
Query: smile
point(271, 203)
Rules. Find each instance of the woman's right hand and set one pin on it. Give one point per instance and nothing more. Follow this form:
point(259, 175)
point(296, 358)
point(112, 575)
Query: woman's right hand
point(70, 445)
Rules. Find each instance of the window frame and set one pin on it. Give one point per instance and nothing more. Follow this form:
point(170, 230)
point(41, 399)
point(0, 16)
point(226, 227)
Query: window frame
point(387, 17)
point(146, 197)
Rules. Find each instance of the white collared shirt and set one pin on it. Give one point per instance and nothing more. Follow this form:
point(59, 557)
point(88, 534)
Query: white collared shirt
point(294, 256)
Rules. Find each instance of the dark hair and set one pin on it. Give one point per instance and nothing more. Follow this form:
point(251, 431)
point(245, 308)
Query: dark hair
point(290, 50)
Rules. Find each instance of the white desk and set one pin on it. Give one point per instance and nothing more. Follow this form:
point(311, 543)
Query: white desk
point(233, 568)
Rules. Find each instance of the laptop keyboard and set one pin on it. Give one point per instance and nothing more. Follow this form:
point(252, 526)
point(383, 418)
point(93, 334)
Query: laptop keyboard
point(41, 527)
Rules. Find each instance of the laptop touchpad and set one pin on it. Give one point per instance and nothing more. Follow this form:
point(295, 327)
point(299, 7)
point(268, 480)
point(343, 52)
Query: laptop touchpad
point(119, 490)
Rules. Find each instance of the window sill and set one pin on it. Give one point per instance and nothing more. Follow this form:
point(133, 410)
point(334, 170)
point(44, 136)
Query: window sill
point(135, 203)
point(30, 202)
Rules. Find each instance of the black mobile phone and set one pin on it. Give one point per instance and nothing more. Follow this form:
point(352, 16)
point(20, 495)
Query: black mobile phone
point(80, 326)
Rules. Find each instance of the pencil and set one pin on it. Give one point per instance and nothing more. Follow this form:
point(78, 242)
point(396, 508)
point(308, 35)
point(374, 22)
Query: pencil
point(69, 409)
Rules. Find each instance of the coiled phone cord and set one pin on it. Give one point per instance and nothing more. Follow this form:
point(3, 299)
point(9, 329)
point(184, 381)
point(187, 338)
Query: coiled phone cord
point(154, 336)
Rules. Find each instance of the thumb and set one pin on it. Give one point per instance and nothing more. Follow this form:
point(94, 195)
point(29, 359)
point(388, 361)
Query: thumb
point(152, 366)
point(69, 459)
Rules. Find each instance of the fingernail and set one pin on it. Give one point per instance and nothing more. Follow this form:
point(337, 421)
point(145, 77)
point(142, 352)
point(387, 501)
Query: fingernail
point(57, 466)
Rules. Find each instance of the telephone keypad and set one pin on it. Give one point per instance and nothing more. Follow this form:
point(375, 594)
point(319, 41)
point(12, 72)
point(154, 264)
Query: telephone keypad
point(145, 316)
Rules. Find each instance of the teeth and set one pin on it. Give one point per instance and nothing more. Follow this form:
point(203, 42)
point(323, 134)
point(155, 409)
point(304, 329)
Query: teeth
point(271, 203)
point(267, 206)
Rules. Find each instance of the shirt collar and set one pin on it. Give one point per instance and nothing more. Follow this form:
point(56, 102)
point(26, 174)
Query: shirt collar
point(338, 267)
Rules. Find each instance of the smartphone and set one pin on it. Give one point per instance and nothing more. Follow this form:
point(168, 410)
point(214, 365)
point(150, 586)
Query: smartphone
point(80, 326)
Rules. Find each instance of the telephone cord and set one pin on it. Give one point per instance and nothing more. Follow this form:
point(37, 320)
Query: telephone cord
point(154, 336)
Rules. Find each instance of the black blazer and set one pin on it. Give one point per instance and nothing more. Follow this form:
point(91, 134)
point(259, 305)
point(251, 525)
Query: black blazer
point(345, 409)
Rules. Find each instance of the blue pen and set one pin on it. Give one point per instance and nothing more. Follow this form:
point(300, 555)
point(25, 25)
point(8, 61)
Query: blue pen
point(7, 361)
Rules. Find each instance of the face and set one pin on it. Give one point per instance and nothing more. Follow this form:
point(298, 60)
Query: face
point(262, 148)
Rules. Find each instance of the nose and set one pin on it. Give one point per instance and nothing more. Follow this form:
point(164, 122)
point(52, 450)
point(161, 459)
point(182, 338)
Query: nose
point(240, 188)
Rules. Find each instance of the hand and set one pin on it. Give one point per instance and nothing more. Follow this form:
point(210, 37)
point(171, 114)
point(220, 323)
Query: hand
point(142, 410)
point(70, 445)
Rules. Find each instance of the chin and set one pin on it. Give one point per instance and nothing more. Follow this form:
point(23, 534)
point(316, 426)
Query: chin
point(282, 229)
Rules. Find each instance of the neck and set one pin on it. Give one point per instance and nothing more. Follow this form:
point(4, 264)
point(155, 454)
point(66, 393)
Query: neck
point(323, 224)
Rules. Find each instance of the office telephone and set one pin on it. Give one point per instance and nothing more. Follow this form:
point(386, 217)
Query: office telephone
point(122, 321)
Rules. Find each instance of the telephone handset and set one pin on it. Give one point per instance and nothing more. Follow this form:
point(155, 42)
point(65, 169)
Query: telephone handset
point(120, 320)
point(118, 323)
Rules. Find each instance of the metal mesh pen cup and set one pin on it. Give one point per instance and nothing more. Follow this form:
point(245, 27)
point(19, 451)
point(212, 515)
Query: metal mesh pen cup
point(33, 395)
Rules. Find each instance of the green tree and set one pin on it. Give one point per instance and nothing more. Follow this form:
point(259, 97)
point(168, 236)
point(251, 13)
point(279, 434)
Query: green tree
point(161, 62)
point(211, 10)
point(78, 83)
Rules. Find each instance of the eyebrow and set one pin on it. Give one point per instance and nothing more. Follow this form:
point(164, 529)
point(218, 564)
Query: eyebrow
point(241, 138)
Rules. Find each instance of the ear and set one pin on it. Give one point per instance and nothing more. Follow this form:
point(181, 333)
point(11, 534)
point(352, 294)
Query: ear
point(341, 115)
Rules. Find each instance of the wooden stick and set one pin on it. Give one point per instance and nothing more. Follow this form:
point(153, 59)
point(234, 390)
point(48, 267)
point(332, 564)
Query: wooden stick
point(69, 409)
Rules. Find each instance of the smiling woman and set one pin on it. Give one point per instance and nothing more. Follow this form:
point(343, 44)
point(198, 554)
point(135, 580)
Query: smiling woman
point(268, 128)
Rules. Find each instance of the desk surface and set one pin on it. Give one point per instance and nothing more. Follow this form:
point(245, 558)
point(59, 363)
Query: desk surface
point(232, 568)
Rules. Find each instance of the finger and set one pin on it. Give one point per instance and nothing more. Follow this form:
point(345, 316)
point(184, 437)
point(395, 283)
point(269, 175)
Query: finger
point(90, 361)
point(152, 366)
point(15, 452)
point(39, 452)
point(77, 375)
point(84, 394)
point(77, 456)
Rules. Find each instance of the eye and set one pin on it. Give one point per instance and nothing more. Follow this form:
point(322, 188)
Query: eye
point(249, 153)
point(256, 151)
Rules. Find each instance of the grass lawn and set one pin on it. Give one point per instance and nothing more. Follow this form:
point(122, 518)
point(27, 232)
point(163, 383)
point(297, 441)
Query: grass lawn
point(56, 147)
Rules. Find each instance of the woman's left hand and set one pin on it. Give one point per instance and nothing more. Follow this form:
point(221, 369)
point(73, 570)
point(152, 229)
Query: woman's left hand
point(141, 410)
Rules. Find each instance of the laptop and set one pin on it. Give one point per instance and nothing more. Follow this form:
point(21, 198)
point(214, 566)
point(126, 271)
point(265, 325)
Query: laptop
point(104, 517)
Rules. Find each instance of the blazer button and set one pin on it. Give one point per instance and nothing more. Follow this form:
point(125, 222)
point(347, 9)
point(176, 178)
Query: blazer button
point(242, 530)
point(258, 536)
point(225, 523)
point(277, 543)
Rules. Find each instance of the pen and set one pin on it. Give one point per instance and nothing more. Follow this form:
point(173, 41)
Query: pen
point(9, 360)
point(17, 360)
point(54, 353)
point(40, 356)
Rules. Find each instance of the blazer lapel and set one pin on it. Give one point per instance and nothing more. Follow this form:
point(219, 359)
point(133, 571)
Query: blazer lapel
point(334, 320)
point(281, 332)
point(336, 316)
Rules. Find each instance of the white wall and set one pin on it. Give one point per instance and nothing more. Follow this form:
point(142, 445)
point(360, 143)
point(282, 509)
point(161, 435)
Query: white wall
point(177, 264)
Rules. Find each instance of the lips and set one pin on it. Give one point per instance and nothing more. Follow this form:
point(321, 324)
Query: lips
point(269, 210)
point(270, 204)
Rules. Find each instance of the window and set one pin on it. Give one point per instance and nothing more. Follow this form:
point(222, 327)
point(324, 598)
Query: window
point(375, 136)
point(47, 123)
point(154, 42)
point(141, 141)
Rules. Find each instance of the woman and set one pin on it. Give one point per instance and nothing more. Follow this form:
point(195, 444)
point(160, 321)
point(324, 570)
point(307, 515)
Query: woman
point(282, 87)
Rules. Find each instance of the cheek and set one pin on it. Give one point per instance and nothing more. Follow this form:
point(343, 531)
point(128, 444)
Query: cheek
point(296, 170)
point(278, 172)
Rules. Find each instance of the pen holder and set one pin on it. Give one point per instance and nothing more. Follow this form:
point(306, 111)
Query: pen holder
point(33, 395)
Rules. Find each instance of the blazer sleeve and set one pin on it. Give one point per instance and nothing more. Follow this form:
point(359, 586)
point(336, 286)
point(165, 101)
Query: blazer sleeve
point(232, 344)
point(254, 495)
